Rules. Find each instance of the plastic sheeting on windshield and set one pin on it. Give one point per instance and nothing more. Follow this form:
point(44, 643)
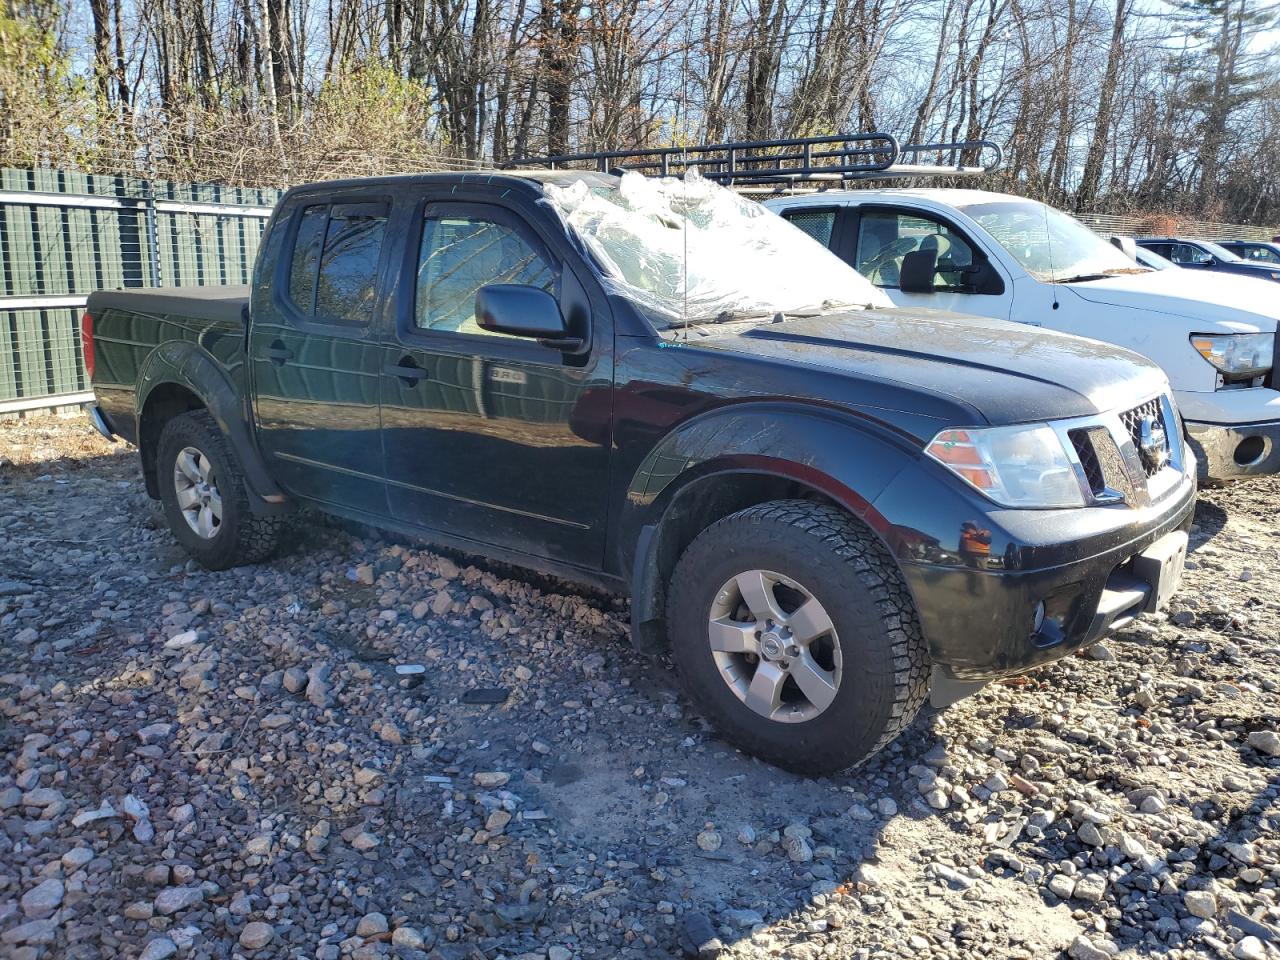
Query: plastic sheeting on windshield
point(691, 249)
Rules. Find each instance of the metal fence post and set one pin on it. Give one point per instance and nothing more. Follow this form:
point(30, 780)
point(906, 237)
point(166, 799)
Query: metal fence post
point(153, 241)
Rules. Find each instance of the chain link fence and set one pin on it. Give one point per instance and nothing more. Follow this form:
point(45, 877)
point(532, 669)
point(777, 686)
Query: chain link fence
point(64, 234)
point(1136, 225)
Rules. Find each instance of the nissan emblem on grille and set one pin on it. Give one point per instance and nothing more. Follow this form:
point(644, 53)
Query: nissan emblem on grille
point(1153, 444)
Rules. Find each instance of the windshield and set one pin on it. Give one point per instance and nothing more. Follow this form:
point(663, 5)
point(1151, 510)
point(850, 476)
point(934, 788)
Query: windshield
point(1149, 258)
point(1222, 253)
point(691, 250)
point(1050, 245)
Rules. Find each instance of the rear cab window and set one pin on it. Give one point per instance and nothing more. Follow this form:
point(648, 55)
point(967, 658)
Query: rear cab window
point(817, 223)
point(334, 260)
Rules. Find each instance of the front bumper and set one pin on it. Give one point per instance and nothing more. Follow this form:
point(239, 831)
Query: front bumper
point(1086, 566)
point(1229, 451)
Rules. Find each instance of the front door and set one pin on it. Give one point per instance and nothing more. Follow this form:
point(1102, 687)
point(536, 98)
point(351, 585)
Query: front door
point(315, 354)
point(1189, 257)
point(489, 437)
point(884, 237)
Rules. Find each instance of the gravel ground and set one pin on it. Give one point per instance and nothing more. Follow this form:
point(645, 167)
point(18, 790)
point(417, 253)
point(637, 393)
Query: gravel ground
point(242, 764)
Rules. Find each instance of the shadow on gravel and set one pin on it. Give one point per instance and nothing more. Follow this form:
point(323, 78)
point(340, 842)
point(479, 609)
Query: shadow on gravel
point(861, 849)
point(1211, 520)
point(628, 805)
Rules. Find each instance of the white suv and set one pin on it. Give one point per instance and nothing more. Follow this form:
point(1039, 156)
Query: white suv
point(998, 255)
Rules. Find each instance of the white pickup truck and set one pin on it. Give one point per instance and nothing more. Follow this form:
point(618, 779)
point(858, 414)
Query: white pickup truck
point(998, 255)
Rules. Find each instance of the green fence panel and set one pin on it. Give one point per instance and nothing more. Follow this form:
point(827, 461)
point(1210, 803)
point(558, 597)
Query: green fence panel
point(9, 374)
point(20, 250)
point(49, 249)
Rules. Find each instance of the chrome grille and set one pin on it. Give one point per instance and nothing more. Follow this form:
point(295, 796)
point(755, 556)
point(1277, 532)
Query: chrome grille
point(1132, 422)
point(1106, 453)
point(1101, 462)
point(1083, 443)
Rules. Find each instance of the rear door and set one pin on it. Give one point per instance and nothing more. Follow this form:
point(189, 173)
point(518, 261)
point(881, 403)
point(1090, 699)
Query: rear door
point(315, 353)
point(489, 437)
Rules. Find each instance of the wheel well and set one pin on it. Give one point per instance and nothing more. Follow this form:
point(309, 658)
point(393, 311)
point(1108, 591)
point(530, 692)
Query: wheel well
point(695, 508)
point(165, 402)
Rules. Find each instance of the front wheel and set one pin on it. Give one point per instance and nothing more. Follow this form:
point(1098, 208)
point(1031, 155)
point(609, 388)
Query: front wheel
point(204, 496)
point(794, 633)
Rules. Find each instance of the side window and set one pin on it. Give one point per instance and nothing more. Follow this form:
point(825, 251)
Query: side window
point(457, 257)
point(306, 252)
point(334, 266)
point(885, 238)
point(818, 224)
point(1186, 253)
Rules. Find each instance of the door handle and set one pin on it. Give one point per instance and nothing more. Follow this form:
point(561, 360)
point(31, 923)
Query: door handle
point(409, 373)
point(278, 353)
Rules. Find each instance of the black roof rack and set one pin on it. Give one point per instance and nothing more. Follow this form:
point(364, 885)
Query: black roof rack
point(810, 161)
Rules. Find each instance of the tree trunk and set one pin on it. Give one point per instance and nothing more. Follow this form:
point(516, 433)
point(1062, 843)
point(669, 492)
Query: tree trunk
point(1091, 178)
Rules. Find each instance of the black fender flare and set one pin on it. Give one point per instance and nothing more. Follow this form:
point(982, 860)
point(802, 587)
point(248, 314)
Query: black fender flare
point(838, 455)
point(187, 365)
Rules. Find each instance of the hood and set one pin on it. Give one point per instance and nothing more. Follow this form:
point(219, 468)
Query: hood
point(1000, 371)
point(1238, 304)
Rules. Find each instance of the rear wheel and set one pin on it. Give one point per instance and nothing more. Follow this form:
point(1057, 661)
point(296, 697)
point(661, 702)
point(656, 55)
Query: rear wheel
point(794, 633)
point(204, 496)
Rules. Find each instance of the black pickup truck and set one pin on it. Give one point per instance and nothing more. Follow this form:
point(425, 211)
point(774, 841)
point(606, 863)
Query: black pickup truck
point(822, 506)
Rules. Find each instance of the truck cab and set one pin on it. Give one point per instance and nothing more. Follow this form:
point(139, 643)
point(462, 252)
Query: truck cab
point(1002, 256)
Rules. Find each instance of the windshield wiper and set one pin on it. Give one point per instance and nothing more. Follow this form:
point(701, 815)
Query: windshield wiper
point(770, 316)
point(1081, 277)
point(727, 316)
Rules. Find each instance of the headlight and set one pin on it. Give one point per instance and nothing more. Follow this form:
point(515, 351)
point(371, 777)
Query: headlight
point(1238, 354)
point(1019, 466)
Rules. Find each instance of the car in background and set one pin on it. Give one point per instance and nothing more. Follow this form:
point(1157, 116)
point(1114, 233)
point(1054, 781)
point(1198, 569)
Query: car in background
point(1206, 255)
point(1004, 256)
point(1254, 251)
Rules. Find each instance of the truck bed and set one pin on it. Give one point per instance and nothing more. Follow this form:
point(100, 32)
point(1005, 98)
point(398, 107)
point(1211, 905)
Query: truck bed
point(222, 303)
point(132, 327)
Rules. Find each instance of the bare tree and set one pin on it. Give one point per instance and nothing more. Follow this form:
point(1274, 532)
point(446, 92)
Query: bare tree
point(1100, 104)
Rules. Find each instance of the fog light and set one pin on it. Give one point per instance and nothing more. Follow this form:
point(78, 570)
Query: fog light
point(1250, 451)
point(1039, 618)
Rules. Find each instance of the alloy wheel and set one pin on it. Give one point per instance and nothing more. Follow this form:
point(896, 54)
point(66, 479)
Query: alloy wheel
point(197, 492)
point(775, 646)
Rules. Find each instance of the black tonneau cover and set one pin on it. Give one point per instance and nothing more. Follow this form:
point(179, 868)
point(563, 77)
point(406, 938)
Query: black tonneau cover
point(222, 303)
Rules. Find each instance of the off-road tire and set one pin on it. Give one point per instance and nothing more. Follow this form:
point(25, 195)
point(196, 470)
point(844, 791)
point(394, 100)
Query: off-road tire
point(243, 536)
point(885, 657)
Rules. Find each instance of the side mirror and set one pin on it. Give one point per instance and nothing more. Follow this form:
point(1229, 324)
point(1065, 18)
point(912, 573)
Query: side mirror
point(519, 310)
point(1126, 246)
point(916, 273)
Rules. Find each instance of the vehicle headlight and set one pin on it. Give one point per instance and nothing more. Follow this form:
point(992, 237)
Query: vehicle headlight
point(1019, 466)
point(1239, 354)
